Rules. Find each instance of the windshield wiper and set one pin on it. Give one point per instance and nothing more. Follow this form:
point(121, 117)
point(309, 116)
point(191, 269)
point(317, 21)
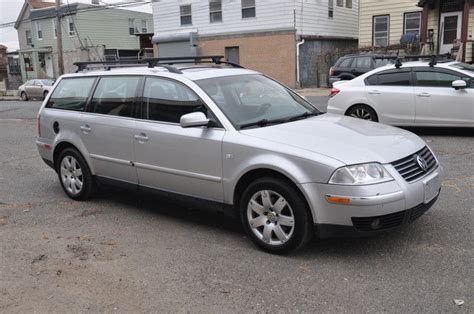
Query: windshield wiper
point(262, 123)
point(304, 116)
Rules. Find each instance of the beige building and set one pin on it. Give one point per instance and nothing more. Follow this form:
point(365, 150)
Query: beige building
point(440, 26)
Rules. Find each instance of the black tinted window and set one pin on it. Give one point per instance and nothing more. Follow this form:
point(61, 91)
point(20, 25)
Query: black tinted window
point(435, 79)
point(71, 94)
point(364, 63)
point(394, 78)
point(115, 96)
point(167, 101)
point(371, 80)
point(345, 63)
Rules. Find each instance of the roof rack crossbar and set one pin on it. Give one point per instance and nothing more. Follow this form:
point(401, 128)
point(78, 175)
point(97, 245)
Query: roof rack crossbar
point(165, 62)
point(398, 63)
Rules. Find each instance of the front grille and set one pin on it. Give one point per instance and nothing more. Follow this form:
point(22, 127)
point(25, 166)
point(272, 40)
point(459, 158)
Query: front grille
point(409, 167)
point(377, 223)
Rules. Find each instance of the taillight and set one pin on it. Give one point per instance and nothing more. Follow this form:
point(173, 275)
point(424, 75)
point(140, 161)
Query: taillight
point(332, 71)
point(334, 92)
point(38, 124)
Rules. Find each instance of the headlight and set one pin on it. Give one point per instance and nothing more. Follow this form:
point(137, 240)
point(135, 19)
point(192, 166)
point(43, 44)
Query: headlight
point(361, 174)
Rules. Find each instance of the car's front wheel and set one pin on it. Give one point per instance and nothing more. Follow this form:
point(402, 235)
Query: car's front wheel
point(363, 112)
point(275, 215)
point(74, 175)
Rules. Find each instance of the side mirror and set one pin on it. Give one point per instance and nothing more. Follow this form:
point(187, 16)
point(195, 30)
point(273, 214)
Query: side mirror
point(193, 119)
point(459, 84)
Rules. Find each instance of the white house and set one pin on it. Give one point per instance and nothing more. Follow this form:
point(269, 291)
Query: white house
point(290, 40)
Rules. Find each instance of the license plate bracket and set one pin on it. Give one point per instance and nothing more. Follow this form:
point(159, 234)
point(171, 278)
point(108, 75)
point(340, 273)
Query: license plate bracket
point(431, 188)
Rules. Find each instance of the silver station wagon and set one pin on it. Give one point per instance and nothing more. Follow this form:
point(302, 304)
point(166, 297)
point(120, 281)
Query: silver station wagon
point(204, 129)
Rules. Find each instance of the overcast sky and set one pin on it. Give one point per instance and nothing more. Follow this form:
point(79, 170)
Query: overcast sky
point(9, 10)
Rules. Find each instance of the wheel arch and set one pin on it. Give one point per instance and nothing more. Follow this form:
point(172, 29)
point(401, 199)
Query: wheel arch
point(62, 145)
point(256, 173)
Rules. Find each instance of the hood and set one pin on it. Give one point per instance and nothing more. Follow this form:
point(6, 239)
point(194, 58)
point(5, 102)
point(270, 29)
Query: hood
point(346, 139)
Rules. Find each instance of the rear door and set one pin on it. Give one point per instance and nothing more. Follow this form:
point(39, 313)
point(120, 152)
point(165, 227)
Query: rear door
point(391, 93)
point(171, 158)
point(108, 127)
point(437, 102)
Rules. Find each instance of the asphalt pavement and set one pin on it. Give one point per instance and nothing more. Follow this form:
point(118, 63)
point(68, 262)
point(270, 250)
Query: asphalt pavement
point(127, 252)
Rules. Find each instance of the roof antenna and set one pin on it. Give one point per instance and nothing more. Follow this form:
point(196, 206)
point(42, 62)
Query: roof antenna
point(433, 61)
point(398, 63)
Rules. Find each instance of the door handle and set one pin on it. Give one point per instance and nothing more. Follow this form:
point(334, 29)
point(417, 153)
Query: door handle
point(374, 92)
point(424, 95)
point(85, 128)
point(141, 137)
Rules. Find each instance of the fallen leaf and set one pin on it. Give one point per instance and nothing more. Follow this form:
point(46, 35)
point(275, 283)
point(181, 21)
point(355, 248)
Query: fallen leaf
point(3, 221)
point(84, 238)
point(108, 242)
point(38, 258)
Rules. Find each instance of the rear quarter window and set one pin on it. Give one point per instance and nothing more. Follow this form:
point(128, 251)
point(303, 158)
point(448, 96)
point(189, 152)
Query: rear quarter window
point(71, 94)
point(345, 63)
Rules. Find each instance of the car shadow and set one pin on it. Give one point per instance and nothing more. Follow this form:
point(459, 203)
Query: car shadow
point(437, 131)
point(192, 215)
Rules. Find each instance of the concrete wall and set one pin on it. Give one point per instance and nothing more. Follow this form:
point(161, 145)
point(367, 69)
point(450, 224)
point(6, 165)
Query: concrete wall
point(317, 56)
point(273, 54)
point(396, 10)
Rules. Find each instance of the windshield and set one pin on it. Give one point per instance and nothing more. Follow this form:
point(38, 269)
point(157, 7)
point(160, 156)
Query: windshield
point(255, 100)
point(464, 67)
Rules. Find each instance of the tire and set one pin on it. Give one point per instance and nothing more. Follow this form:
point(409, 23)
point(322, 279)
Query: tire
point(363, 112)
point(23, 96)
point(45, 93)
point(274, 228)
point(74, 175)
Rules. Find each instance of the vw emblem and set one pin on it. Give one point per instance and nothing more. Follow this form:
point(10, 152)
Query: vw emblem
point(421, 162)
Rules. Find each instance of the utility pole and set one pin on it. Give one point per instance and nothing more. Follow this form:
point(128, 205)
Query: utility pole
point(59, 39)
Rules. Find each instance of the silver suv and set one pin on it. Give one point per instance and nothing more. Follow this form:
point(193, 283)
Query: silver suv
point(232, 136)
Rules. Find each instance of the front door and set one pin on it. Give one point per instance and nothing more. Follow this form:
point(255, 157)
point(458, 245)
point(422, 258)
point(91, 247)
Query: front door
point(49, 66)
point(171, 158)
point(108, 127)
point(450, 30)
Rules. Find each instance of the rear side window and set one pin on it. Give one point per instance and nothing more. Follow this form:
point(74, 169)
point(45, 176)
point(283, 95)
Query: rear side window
point(167, 101)
point(364, 63)
point(435, 79)
point(346, 63)
point(115, 96)
point(391, 78)
point(71, 94)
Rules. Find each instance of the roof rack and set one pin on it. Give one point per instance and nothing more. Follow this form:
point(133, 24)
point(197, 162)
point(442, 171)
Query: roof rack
point(433, 58)
point(166, 62)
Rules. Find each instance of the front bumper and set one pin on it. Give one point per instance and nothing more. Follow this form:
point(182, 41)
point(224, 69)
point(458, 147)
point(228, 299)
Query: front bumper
point(371, 208)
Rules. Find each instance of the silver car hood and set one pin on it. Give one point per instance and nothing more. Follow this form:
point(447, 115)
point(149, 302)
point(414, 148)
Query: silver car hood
point(346, 139)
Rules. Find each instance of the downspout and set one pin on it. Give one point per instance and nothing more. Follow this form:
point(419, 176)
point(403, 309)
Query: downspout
point(298, 82)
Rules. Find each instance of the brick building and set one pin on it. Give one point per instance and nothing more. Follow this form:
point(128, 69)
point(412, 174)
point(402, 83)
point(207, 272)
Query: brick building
point(294, 41)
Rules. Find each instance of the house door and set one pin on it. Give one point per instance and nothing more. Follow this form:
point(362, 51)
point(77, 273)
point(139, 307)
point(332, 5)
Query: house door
point(49, 66)
point(450, 30)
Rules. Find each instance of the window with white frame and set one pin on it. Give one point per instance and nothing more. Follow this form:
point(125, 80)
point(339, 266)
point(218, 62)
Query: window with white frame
point(70, 26)
point(144, 26)
point(215, 11)
point(349, 4)
point(340, 3)
point(380, 26)
point(55, 29)
point(186, 15)
point(330, 9)
point(412, 23)
point(29, 40)
point(248, 9)
point(39, 30)
point(131, 27)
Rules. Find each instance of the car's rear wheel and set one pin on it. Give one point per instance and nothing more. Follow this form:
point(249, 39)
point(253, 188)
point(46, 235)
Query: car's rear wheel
point(74, 175)
point(23, 96)
point(363, 112)
point(275, 215)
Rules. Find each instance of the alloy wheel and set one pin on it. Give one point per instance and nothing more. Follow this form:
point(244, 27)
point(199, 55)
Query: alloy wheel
point(361, 113)
point(270, 217)
point(71, 175)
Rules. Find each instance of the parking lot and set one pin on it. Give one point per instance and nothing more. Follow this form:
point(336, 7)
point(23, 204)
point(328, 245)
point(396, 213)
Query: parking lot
point(129, 252)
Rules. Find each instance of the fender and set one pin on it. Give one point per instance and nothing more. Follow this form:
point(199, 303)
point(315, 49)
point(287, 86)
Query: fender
point(67, 136)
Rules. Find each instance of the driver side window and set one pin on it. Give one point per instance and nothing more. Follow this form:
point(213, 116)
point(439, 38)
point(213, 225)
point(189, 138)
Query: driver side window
point(166, 101)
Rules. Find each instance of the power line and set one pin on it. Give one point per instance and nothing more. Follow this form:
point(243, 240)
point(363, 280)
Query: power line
point(87, 9)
